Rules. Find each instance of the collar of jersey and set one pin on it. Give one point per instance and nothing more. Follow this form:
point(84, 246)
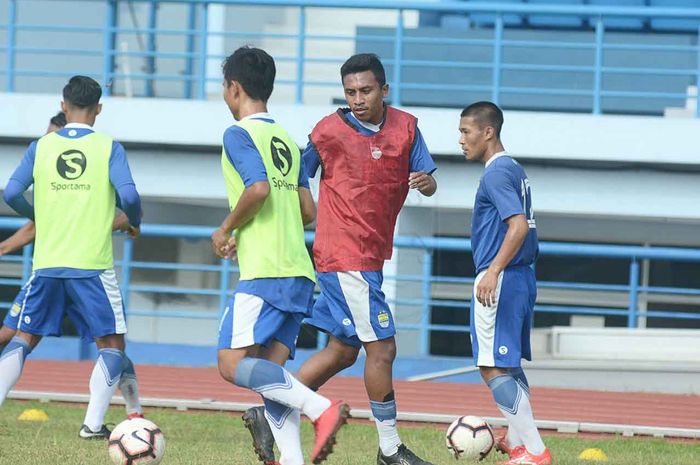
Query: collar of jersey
point(493, 158)
point(262, 115)
point(78, 126)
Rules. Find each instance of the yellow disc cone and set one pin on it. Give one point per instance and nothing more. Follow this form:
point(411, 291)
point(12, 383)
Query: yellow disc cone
point(595, 455)
point(33, 414)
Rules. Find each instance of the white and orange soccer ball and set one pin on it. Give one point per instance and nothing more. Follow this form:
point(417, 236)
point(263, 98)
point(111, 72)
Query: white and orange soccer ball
point(469, 437)
point(136, 442)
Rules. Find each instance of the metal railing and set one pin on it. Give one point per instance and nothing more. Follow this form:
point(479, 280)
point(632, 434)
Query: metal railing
point(227, 270)
point(195, 57)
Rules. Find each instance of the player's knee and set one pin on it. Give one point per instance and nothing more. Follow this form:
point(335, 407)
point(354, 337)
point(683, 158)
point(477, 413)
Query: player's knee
point(227, 367)
point(347, 356)
point(381, 353)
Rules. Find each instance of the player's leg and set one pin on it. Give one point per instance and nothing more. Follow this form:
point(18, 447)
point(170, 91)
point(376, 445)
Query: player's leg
point(358, 306)
point(99, 303)
point(340, 353)
point(249, 322)
point(6, 334)
point(283, 423)
point(497, 340)
point(11, 321)
point(12, 360)
point(40, 315)
point(335, 357)
point(128, 383)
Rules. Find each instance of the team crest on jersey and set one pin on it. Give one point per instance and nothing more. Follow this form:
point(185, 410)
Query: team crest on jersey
point(383, 319)
point(376, 152)
point(14, 311)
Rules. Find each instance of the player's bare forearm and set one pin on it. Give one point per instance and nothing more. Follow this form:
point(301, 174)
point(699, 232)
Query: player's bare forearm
point(517, 231)
point(308, 207)
point(19, 239)
point(249, 204)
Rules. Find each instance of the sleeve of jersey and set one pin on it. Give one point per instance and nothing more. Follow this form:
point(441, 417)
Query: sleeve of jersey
point(120, 176)
point(303, 174)
point(421, 160)
point(503, 193)
point(244, 156)
point(19, 182)
point(311, 159)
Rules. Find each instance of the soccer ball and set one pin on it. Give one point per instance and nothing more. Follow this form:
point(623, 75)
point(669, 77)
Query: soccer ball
point(136, 442)
point(469, 437)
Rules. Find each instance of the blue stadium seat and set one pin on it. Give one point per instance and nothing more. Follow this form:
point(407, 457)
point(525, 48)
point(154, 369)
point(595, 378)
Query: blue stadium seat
point(619, 22)
point(673, 24)
point(455, 21)
point(556, 21)
point(488, 20)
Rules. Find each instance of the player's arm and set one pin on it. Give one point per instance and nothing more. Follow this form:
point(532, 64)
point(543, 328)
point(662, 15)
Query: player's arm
point(243, 155)
point(19, 239)
point(502, 192)
point(19, 182)
point(128, 198)
point(422, 167)
point(248, 205)
point(306, 200)
point(513, 240)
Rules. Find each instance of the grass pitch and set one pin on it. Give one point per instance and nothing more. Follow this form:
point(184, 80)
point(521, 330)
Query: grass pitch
point(199, 438)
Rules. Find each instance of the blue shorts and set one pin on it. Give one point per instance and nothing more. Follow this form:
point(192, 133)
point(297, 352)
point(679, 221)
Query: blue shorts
point(500, 334)
point(93, 304)
point(12, 318)
point(248, 320)
point(352, 307)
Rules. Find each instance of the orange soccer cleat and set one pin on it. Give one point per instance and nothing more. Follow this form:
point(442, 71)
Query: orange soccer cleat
point(526, 458)
point(325, 428)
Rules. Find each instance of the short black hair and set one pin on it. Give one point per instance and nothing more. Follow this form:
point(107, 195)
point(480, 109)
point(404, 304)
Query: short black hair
point(486, 114)
point(82, 92)
point(59, 120)
point(254, 69)
point(364, 62)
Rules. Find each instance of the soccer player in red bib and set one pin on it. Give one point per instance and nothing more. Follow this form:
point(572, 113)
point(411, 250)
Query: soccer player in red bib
point(369, 156)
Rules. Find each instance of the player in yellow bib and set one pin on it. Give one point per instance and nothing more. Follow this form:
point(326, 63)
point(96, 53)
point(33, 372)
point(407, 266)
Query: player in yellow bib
point(270, 202)
point(77, 174)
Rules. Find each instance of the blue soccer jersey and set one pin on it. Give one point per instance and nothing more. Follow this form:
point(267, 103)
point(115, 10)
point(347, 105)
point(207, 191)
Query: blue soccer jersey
point(504, 191)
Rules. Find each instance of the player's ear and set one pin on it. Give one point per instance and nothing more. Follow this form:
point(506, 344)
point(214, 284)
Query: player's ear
point(489, 132)
point(64, 107)
point(98, 109)
point(385, 90)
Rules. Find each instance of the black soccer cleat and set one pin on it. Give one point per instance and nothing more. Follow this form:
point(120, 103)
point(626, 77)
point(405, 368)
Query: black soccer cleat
point(403, 456)
point(263, 440)
point(87, 433)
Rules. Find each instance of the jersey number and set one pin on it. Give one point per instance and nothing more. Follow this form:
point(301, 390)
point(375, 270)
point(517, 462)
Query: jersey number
point(526, 193)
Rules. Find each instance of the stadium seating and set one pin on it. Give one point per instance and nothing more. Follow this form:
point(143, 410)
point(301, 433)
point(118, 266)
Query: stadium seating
point(488, 20)
point(673, 24)
point(620, 23)
point(556, 21)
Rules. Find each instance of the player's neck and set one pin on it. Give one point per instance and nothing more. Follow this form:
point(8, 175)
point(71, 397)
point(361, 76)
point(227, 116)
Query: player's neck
point(491, 151)
point(251, 107)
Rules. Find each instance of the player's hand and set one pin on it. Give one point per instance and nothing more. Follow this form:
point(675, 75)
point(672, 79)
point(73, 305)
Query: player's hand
point(220, 242)
point(133, 231)
point(419, 180)
point(230, 248)
point(121, 223)
point(486, 290)
point(3, 251)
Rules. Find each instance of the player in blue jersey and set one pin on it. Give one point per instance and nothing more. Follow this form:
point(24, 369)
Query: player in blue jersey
point(78, 174)
point(504, 246)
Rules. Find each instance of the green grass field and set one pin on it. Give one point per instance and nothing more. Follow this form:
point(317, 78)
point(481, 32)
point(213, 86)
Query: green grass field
point(213, 438)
